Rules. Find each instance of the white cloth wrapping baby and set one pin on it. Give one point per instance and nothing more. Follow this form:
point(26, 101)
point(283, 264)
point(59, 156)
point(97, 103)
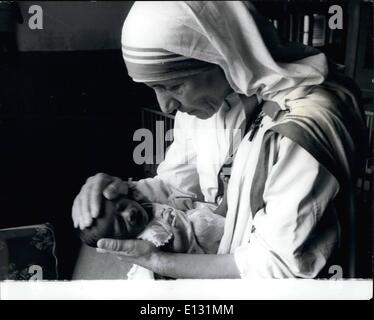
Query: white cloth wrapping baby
point(201, 228)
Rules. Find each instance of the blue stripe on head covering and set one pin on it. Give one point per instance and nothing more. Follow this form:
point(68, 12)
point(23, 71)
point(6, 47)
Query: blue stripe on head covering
point(147, 64)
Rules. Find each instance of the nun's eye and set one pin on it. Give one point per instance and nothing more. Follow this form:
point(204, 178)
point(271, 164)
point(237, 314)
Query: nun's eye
point(176, 88)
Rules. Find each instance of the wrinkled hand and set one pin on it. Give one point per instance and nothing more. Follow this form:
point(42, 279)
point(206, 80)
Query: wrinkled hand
point(140, 252)
point(87, 203)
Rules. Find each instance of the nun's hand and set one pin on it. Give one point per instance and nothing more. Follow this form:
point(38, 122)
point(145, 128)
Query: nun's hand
point(87, 203)
point(140, 252)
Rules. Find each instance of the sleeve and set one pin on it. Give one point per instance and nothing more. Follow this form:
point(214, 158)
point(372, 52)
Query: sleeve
point(177, 174)
point(297, 230)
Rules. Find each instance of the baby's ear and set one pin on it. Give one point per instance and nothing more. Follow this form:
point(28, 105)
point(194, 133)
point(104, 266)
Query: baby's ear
point(89, 236)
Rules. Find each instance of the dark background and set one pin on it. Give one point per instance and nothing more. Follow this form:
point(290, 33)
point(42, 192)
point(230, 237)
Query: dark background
point(68, 110)
point(76, 120)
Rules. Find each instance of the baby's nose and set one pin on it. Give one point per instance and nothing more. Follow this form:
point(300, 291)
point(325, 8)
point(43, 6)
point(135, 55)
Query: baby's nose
point(129, 215)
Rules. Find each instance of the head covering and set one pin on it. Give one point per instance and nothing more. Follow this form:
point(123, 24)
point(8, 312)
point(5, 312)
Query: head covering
point(146, 65)
point(229, 34)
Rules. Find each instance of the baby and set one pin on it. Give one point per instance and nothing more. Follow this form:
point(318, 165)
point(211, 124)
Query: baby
point(196, 230)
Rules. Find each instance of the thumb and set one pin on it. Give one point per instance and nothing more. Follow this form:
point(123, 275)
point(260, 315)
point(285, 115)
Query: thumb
point(111, 245)
point(114, 189)
point(124, 247)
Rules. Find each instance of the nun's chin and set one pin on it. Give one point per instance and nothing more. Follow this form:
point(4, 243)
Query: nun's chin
point(203, 115)
point(211, 110)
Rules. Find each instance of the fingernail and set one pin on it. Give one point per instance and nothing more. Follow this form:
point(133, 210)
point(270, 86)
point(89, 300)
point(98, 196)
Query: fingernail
point(100, 250)
point(98, 243)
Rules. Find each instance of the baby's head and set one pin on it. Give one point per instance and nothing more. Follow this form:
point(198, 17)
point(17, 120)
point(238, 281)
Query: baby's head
point(121, 218)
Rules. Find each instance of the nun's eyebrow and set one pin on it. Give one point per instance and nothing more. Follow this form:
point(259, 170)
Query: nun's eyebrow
point(156, 85)
point(164, 84)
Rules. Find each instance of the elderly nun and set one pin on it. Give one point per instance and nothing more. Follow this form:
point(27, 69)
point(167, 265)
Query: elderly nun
point(263, 132)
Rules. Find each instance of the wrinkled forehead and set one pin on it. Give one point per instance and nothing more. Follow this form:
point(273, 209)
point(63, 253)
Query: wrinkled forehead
point(146, 66)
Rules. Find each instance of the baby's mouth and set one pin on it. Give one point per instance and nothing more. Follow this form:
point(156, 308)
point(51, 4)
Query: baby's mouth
point(123, 229)
point(144, 217)
point(139, 219)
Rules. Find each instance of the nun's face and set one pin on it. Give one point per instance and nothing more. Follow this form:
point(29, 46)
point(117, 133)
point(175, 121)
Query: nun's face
point(200, 95)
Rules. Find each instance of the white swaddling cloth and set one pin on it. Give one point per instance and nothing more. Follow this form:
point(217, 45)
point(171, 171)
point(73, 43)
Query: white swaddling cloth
point(201, 227)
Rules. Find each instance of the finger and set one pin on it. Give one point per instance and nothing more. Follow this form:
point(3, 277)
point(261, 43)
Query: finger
point(119, 257)
point(116, 188)
point(74, 213)
point(84, 199)
point(110, 245)
point(116, 246)
point(99, 250)
point(96, 190)
point(79, 216)
point(84, 217)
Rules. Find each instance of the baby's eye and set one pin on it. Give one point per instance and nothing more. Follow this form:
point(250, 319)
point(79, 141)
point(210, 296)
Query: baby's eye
point(120, 207)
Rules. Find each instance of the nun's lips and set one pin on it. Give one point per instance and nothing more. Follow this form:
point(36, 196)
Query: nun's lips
point(193, 112)
point(200, 114)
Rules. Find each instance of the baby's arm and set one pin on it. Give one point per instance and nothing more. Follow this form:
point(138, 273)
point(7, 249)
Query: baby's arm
point(194, 231)
point(171, 230)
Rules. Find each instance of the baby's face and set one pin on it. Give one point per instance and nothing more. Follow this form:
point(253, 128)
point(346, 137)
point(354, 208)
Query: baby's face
point(130, 218)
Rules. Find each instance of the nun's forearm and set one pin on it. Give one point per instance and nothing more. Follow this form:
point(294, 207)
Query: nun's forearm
point(195, 266)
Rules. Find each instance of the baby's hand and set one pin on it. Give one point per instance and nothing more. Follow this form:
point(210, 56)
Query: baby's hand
point(167, 215)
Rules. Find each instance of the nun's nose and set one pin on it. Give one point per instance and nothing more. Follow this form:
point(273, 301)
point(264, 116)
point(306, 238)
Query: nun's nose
point(167, 103)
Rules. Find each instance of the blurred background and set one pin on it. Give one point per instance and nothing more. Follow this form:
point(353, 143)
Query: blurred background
point(68, 109)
